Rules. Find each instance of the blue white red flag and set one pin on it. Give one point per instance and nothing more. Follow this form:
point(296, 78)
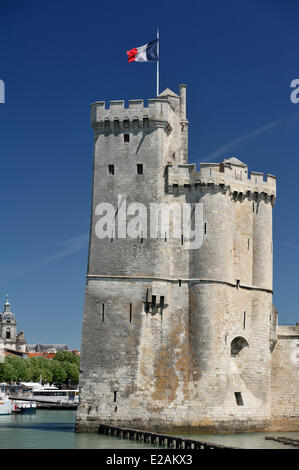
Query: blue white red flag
point(146, 53)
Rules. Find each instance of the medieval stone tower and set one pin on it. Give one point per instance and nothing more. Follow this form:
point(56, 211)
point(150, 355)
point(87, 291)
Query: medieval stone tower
point(175, 338)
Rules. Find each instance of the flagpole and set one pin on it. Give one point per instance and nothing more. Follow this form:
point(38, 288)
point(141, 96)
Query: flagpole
point(158, 62)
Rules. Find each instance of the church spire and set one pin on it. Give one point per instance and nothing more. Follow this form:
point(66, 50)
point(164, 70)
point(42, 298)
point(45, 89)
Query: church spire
point(7, 305)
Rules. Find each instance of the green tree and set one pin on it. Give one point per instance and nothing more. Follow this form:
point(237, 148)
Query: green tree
point(59, 372)
point(72, 372)
point(63, 369)
point(10, 372)
point(66, 356)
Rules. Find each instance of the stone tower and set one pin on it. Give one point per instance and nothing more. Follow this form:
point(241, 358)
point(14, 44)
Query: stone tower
point(175, 338)
point(8, 330)
point(8, 326)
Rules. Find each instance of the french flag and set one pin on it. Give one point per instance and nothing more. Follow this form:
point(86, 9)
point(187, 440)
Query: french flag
point(146, 53)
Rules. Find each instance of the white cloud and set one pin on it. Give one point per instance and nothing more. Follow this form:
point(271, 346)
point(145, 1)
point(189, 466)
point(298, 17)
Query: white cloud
point(68, 247)
point(230, 146)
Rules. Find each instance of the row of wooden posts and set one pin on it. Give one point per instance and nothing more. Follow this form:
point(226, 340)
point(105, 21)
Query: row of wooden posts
point(168, 441)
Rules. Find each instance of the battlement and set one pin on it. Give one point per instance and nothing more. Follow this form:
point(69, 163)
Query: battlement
point(159, 111)
point(288, 331)
point(230, 175)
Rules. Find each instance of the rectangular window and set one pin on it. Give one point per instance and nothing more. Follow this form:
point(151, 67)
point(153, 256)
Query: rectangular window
point(103, 313)
point(111, 169)
point(205, 228)
point(244, 320)
point(126, 137)
point(139, 169)
point(130, 313)
point(239, 399)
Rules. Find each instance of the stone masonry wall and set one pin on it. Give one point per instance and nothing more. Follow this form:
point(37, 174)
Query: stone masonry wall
point(198, 356)
point(285, 374)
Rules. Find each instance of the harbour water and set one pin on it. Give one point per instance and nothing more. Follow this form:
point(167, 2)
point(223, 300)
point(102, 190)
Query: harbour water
point(54, 429)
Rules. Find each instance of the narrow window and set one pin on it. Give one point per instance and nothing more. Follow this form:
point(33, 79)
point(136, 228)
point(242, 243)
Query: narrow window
point(239, 398)
point(139, 169)
point(111, 169)
point(244, 320)
point(111, 239)
point(182, 239)
point(130, 312)
point(8, 333)
point(103, 313)
point(153, 305)
point(161, 305)
point(126, 137)
point(180, 283)
point(253, 207)
point(115, 394)
point(205, 228)
point(248, 244)
point(165, 238)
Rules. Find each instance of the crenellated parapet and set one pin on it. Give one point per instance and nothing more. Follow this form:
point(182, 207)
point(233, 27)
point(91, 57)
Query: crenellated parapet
point(228, 176)
point(117, 116)
point(162, 111)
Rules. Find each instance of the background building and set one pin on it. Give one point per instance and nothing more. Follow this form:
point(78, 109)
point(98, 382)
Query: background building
point(8, 331)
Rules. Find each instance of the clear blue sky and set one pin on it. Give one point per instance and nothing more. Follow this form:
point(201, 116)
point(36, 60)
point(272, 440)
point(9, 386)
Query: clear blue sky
point(56, 57)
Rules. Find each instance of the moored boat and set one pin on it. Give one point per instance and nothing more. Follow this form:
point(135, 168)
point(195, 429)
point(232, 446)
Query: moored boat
point(5, 404)
point(56, 396)
point(28, 407)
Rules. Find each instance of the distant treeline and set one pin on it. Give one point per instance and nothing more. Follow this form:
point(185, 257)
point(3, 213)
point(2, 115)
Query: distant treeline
point(62, 369)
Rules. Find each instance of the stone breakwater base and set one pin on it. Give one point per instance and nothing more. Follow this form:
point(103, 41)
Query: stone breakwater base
point(168, 441)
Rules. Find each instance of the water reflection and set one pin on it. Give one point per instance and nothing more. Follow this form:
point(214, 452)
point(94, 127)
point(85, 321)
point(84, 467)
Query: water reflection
point(54, 429)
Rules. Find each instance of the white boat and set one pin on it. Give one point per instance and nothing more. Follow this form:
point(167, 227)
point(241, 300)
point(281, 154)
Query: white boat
point(55, 395)
point(20, 406)
point(5, 404)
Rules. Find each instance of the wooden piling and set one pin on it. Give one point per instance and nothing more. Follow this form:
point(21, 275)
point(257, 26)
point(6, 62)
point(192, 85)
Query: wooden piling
point(168, 441)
